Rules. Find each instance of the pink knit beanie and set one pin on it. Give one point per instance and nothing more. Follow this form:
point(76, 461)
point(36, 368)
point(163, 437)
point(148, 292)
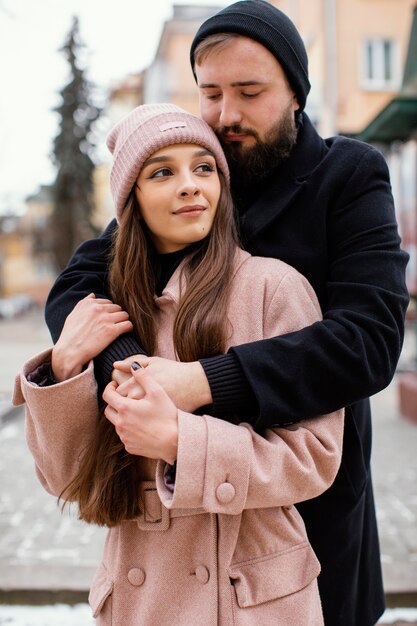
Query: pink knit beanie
point(145, 130)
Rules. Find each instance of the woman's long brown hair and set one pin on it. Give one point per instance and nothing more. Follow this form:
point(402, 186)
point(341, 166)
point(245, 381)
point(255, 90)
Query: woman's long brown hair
point(106, 487)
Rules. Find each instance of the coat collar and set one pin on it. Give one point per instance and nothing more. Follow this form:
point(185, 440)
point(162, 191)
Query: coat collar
point(176, 284)
point(285, 183)
point(309, 150)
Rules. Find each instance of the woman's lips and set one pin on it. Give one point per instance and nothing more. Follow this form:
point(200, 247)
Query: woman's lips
point(190, 210)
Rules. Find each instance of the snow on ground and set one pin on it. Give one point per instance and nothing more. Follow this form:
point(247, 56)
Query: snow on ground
point(53, 615)
point(391, 616)
point(80, 615)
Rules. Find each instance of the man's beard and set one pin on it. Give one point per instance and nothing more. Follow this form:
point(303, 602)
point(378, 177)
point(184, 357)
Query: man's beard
point(251, 165)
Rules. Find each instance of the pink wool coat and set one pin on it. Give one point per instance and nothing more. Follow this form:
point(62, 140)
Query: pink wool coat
point(227, 546)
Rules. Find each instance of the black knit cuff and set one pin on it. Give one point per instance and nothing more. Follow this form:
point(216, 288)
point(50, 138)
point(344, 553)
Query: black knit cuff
point(231, 393)
point(124, 346)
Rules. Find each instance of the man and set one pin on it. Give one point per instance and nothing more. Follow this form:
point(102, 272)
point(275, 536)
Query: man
point(325, 207)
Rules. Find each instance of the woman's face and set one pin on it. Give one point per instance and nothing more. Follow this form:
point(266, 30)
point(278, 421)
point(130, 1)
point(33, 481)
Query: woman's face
point(178, 191)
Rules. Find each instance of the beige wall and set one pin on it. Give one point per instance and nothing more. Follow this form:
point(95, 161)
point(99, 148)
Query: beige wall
point(179, 77)
point(356, 21)
point(13, 264)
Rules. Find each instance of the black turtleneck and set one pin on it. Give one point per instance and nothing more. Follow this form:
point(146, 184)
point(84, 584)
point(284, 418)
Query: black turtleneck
point(166, 264)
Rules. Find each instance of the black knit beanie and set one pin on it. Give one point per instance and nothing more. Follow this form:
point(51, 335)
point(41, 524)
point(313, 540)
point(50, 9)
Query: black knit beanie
point(263, 22)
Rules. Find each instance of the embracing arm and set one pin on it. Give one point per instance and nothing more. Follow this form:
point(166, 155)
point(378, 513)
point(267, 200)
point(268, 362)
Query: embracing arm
point(86, 273)
point(353, 352)
point(224, 468)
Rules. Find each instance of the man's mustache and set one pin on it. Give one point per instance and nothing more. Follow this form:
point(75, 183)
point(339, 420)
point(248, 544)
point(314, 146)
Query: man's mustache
point(223, 131)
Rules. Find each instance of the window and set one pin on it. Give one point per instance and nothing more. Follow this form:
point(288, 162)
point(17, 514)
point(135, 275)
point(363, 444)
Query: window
point(380, 67)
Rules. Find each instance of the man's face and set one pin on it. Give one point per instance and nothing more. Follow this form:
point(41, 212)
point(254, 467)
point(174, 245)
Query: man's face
point(244, 94)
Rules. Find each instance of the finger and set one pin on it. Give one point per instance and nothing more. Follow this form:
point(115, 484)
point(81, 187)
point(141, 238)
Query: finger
point(135, 391)
point(130, 388)
point(118, 316)
point(125, 386)
point(103, 305)
point(126, 364)
point(122, 366)
point(119, 377)
point(141, 359)
point(144, 379)
point(111, 414)
point(124, 327)
point(109, 393)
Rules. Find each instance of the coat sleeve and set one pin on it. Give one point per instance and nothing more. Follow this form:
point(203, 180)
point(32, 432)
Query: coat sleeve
point(355, 349)
point(60, 421)
point(225, 468)
point(87, 273)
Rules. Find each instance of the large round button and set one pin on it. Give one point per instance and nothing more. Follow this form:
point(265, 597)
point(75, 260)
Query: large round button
point(225, 493)
point(136, 576)
point(202, 574)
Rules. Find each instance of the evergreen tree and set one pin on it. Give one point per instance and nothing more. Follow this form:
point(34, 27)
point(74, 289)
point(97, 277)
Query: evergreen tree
point(73, 200)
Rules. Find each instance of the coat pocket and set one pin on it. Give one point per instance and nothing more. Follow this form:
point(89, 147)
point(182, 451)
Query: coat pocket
point(101, 589)
point(274, 576)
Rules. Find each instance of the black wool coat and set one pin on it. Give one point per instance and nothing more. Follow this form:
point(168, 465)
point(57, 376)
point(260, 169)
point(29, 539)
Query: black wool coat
point(328, 212)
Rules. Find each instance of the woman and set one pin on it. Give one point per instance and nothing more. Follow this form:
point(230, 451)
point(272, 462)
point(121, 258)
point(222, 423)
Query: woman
point(202, 524)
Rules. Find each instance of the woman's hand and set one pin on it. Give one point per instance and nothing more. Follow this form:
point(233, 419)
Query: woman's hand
point(90, 327)
point(148, 426)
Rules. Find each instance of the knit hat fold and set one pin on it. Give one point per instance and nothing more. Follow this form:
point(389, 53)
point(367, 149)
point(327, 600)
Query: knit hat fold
point(261, 21)
point(144, 131)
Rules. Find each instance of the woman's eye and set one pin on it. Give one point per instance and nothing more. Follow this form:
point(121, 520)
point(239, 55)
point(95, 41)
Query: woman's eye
point(163, 171)
point(205, 167)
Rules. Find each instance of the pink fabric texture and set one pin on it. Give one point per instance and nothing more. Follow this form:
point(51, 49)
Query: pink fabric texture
point(145, 130)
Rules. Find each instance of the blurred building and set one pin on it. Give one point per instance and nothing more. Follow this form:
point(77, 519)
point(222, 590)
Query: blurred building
point(169, 78)
point(11, 250)
point(39, 271)
point(394, 130)
point(25, 262)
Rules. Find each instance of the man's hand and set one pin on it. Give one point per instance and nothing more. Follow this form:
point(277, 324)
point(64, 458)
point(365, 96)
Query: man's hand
point(185, 383)
point(90, 327)
point(147, 427)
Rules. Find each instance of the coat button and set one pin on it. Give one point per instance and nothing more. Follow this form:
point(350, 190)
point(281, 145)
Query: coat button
point(136, 576)
point(202, 574)
point(225, 493)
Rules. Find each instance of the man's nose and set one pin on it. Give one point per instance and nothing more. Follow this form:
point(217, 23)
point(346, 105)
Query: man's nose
point(230, 114)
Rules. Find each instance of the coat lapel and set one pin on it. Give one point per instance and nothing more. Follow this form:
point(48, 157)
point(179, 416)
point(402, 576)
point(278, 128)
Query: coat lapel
point(278, 196)
point(283, 187)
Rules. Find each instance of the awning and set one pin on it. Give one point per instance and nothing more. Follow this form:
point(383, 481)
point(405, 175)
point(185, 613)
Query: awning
point(396, 122)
